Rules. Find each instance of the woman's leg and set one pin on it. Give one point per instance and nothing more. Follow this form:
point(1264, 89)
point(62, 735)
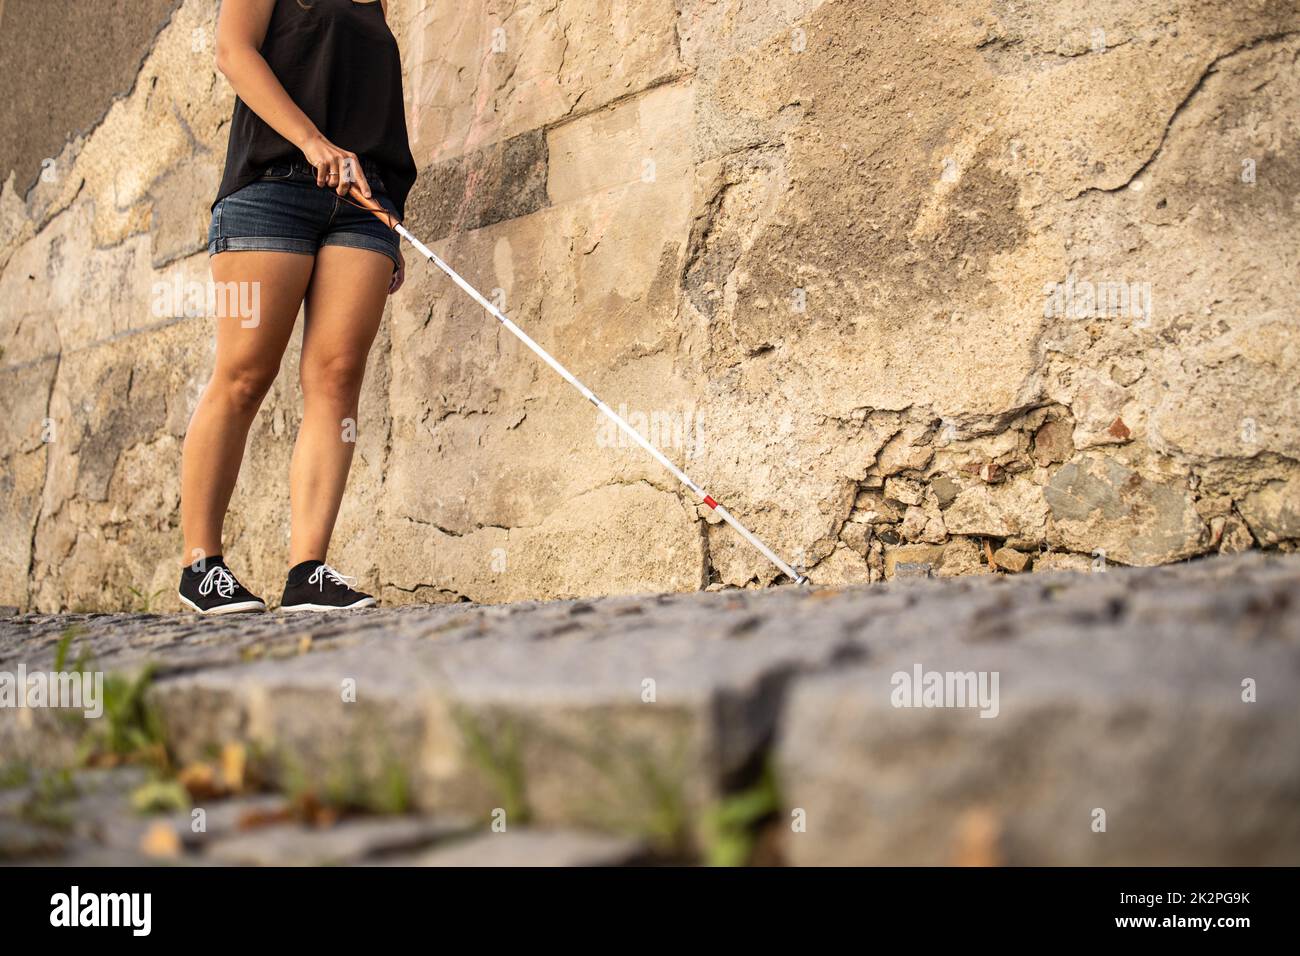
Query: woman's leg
point(345, 302)
point(248, 358)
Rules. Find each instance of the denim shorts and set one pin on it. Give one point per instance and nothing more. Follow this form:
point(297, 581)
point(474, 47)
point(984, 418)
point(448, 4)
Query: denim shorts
point(285, 211)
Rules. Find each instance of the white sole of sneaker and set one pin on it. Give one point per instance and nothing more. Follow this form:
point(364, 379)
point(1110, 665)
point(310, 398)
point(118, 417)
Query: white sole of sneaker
point(243, 607)
point(293, 608)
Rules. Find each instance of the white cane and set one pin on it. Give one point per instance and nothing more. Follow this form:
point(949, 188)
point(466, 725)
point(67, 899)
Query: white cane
point(370, 205)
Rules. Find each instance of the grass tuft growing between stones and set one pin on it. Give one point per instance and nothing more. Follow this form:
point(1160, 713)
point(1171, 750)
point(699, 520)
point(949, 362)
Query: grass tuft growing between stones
point(161, 795)
point(142, 602)
point(499, 755)
point(64, 646)
point(15, 775)
point(733, 825)
point(45, 804)
point(348, 785)
point(130, 730)
point(387, 793)
point(666, 823)
point(647, 793)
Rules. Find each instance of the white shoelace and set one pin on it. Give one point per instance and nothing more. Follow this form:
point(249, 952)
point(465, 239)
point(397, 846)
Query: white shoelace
point(219, 578)
point(324, 572)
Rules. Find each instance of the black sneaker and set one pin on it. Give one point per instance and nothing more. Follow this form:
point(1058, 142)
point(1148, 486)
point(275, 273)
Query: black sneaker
point(214, 590)
point(315, 586)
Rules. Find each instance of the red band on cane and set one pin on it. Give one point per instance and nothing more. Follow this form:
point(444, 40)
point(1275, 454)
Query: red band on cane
point(708, 500)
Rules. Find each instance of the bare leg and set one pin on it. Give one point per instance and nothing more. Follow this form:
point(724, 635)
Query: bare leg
point(248, 359)
point(345, 302)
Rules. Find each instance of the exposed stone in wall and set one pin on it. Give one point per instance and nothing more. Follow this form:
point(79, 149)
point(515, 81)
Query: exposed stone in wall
point(906, 287)
point(502, 181)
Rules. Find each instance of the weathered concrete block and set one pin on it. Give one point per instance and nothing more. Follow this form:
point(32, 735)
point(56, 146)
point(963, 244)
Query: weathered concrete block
point(639, 729)
point(1122, 701)
point(1161, 697)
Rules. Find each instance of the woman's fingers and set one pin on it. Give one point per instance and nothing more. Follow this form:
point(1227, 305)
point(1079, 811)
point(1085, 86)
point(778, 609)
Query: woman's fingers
point(327, 173)
point(358, 176)
point(340, 170)
point(343, 174)
point(362, 183)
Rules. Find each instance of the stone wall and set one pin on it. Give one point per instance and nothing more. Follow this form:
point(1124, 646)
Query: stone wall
point(903, 285)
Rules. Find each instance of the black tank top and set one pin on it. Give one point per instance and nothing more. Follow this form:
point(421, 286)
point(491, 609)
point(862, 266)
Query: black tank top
point(339, 62)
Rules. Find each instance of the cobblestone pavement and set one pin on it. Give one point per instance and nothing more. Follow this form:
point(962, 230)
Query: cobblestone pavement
point(1134, 716)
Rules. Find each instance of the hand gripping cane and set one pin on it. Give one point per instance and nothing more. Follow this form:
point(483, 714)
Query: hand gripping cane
point(391, 220)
